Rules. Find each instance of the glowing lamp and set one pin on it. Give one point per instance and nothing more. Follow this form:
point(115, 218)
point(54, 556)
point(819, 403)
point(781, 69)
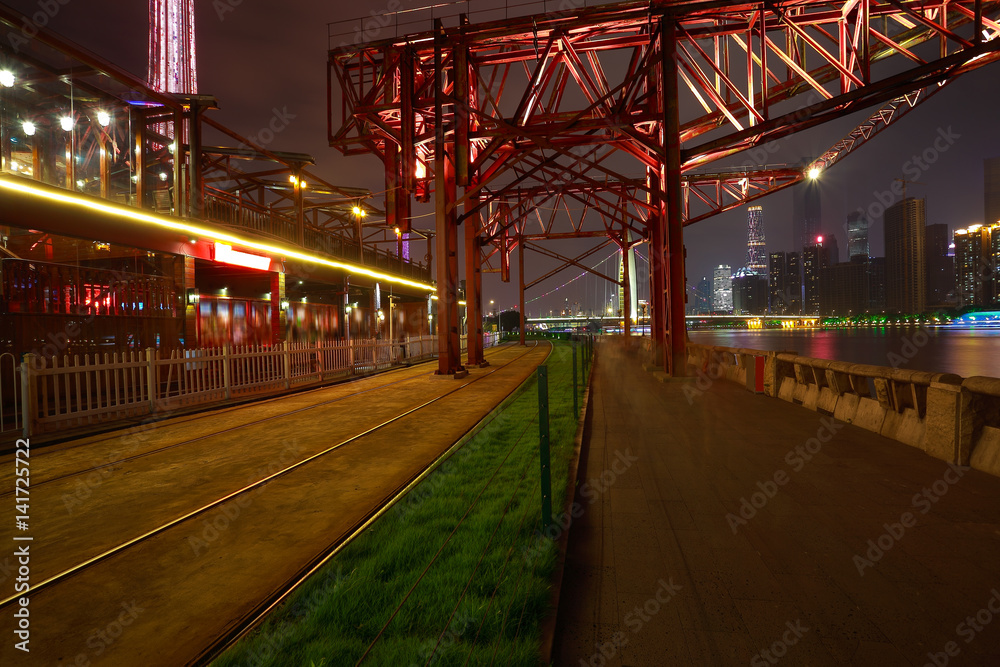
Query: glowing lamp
point(104, 118)
point(7, 78)
point(814, 173)
point(819, 239)
point(29, 128)
point(66, 123)
point(225, 254)
point(360, 212)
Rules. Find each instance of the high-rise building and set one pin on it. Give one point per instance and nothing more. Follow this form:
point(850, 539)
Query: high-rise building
point(853, 288)
point(905, 257)
point(722, 289)
point(700, 301)
point(831, 247)
point(807, 213)
point(940, 265)
point(857, 235)
point(784, 284)
point(756, 255)
point(977, 260)
point(793, 283)
point(991, 190)
point(749, 293)
point(815, 257)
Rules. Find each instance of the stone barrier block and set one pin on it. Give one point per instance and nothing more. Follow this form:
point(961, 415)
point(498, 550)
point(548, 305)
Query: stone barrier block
point(869, 415)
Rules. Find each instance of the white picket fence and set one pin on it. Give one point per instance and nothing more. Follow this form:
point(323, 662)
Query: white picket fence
point(60, 394)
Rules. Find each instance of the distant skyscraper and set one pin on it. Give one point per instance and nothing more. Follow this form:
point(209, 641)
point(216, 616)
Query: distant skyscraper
point(807, 212)
point(700, 302)
point(722, 289)
point(991, 190)
point(756, 256)
point(749, 293)
point(815, 258)
point(905, 257)
point(940, 265)
point(977, 260)
point(831, 247)
point(784, 284)
point(857, 235)
point(172, 62)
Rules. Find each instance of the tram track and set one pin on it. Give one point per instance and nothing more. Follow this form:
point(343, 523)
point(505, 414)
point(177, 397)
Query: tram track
point(68, 573)
point(251, 620)
point(205, 416)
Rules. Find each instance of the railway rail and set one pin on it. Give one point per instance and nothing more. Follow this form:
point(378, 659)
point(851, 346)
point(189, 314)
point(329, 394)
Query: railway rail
point(297, 473)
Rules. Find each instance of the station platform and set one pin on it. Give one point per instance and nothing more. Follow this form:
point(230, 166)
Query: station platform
point(149, 544)
point(723, 528)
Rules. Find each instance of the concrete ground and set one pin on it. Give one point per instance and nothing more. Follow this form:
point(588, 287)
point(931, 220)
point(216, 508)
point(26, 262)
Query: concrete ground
point(161, 601)
point(724, 528)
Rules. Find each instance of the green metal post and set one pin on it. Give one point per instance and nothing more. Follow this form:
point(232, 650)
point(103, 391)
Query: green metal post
point(543, 444)
point(576, 402)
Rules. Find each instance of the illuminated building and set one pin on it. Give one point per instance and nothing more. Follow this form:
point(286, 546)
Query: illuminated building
point(852, 288)
point(756, 255)
point(940, 265)
point(906, 273)
point(977, 258)
point(749, 293)
point(784, 283)
point(857, 235)
point(807, 212)
point(722, 289)
point(815, 257)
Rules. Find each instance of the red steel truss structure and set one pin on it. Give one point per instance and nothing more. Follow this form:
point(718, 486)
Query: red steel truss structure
point(599, 122)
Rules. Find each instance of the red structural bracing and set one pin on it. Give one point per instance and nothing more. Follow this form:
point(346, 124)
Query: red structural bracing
point(605, 121)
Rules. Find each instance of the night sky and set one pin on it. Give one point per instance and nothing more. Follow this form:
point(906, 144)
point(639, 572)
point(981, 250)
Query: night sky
point(261, 56)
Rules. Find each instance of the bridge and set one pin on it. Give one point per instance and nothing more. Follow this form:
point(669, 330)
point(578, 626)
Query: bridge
point(577, 322)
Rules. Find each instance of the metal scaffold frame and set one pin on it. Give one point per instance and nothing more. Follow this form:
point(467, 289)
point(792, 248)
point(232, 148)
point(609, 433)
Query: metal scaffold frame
point(595, 122)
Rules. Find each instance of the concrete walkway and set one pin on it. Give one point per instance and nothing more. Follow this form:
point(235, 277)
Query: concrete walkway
point(723, 528)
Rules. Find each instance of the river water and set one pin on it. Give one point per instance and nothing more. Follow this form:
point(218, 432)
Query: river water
point(965, 351)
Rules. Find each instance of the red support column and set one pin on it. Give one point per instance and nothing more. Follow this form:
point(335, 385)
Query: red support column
point(449, 344)
point(139, 161)
point(474, 294)
point(278, 317)
point(626, 304)
point(676, 328)
point(520, 273)
point(657, 274)
point(196, 176)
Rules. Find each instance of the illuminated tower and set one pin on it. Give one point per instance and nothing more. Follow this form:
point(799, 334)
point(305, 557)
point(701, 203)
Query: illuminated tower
point(756, 256)
point(172, 65)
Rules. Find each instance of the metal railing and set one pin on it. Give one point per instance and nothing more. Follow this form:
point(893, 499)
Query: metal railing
point(57, 394)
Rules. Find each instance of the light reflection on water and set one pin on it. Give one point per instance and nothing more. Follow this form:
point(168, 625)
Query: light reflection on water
point(965, 351)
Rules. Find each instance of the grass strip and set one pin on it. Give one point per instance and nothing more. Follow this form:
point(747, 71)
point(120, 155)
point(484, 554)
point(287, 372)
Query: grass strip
point(456, 573)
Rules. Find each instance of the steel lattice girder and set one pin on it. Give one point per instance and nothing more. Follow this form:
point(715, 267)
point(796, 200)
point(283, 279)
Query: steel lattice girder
point(574, 100)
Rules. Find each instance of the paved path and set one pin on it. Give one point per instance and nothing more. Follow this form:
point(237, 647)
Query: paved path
point(656, 576)
point(163, 600)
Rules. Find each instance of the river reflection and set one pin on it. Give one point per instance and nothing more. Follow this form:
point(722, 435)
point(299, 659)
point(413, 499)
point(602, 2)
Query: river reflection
point(965, 351)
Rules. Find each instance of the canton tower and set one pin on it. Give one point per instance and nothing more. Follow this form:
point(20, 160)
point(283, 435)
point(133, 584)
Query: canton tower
point(172, 65)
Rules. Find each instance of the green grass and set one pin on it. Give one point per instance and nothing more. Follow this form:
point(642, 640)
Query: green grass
point(484, 597)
